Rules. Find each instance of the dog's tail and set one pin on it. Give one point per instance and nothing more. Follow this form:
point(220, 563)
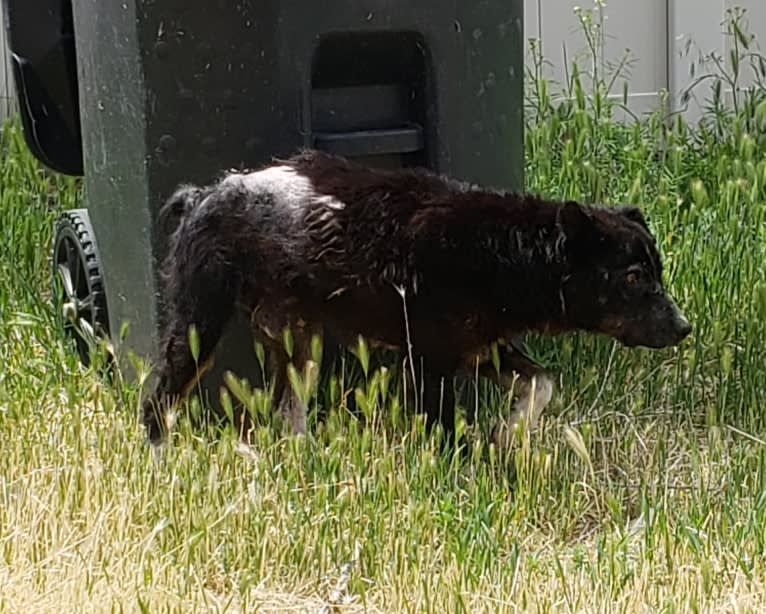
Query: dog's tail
point(178, 205)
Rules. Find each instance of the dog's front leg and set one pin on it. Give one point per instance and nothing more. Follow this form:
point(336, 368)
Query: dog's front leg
point(532, 386)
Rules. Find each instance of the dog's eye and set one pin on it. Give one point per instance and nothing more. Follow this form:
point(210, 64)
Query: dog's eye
point(633, 277)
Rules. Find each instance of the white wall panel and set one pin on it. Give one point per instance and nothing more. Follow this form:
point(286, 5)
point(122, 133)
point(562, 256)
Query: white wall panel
point(755, 23)
point(637, 26)
point(665, 38)
point(561, 38)
point(531, 20)
point(696, 29)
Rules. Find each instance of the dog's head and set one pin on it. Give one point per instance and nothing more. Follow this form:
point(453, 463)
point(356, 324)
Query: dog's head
point(614, 285)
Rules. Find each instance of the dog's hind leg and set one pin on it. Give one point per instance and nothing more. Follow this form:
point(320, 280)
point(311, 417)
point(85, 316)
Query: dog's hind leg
point(203, 297)
point(291, 407)
point(287, 402)
point(432, 393)
point(439, 402)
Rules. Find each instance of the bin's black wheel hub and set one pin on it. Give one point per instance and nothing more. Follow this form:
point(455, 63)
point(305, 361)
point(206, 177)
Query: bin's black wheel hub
point(78, 284)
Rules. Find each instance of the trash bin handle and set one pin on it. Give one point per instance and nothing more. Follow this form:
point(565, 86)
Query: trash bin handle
point(403, 139)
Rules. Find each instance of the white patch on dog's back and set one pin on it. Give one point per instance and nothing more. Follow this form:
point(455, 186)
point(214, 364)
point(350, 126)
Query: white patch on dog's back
point(331, 202)
point(285, 185)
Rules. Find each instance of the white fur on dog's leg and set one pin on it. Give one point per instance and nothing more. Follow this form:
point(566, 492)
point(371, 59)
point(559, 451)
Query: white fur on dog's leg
point(158, 453)
point(298, 417)
point(157, 449)
point(535, 396)
point(294, 412)
point(532, 402)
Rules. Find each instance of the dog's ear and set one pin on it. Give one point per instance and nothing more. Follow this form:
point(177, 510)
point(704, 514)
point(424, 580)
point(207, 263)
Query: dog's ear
point(183, 200)
point(575, 221)
point(581, 230)
point(634, 214)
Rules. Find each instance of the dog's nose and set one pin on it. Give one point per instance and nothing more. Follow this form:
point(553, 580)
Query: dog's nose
point(680, 323)
point(684, 327)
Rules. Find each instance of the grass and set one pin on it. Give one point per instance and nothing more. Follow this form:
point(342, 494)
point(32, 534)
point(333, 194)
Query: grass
point(644, 489)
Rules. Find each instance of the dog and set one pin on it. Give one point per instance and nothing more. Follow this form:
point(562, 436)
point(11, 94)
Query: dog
point(436, 268)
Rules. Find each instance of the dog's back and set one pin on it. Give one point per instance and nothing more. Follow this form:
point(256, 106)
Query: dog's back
point(319, 214)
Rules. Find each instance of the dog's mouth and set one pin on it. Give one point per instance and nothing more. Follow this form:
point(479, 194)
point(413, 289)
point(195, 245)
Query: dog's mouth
point(659, 340)
point(655, 329)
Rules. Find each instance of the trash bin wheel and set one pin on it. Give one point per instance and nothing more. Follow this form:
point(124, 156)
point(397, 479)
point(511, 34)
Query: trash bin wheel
point(78, 285)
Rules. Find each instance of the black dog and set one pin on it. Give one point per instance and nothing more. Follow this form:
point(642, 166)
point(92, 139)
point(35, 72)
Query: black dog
point(433, 267)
